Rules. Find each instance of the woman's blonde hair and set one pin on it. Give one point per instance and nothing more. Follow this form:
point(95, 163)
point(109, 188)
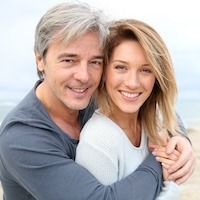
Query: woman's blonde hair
point(159, 109)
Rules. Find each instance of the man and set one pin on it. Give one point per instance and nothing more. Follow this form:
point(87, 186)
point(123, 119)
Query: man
point(39, 137)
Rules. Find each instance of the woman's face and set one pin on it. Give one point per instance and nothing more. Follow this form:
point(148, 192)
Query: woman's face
point(129, 78)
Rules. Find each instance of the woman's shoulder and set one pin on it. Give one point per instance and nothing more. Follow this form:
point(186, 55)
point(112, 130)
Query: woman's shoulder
point(101, 128)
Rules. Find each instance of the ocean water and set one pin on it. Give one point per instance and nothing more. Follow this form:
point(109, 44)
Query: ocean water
point(5, 107)
point(188, 109)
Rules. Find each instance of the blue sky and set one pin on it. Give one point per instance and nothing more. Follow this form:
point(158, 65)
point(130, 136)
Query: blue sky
point(178, 22)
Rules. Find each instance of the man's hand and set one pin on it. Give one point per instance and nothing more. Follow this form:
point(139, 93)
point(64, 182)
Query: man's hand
point(183, 168)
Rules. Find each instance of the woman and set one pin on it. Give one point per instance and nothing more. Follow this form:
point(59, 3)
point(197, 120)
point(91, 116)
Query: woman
point(136, 101)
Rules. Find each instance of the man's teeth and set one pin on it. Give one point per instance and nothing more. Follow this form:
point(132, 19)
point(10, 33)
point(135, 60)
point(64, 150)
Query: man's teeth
point(130, 95)
point(78, 90)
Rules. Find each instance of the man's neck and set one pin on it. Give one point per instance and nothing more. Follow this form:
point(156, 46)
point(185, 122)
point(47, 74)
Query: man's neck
point(66, 119)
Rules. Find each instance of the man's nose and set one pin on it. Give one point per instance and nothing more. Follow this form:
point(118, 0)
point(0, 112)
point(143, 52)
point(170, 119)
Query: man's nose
point(82, 73)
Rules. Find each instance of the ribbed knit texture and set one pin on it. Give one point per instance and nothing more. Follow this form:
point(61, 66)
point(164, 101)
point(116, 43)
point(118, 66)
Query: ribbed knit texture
point(105, 150)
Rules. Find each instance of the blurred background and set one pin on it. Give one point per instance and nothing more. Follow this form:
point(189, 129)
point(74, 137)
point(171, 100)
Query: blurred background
point(178, 23)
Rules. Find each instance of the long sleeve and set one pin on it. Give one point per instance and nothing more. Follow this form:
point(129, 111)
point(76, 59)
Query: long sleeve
point(170, 191)
point(100, 160)
point(181, 125)
point(102, 148)
point(104, 151)
point(37, 162)
point(43, 167)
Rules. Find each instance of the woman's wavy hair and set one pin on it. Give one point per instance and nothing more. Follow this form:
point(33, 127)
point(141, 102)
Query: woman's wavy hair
point(159, 109)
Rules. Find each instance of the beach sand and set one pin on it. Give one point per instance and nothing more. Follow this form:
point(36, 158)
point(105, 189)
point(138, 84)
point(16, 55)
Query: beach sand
point(190, 189)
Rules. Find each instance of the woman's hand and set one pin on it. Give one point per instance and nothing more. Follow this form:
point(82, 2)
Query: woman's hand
point(184, 166)
point(167, 160)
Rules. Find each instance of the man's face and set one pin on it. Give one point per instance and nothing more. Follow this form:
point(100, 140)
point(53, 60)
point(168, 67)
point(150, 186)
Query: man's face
point(71, 73)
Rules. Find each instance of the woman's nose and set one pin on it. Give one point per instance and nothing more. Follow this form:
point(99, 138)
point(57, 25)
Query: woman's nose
point(132, 80)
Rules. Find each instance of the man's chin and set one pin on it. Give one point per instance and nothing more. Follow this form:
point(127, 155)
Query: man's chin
point(80, 106)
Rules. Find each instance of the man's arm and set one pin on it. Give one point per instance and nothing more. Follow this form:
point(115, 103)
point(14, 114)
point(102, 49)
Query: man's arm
point(181, 125)
point(44, 169)
point(185, 165)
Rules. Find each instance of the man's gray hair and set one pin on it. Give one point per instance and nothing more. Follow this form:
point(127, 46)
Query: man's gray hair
point(66, 22)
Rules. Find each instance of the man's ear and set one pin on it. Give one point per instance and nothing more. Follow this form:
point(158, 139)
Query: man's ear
point(40, 62)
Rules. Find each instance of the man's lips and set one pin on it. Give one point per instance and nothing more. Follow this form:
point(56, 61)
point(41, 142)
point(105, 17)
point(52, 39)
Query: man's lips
point(78, 90)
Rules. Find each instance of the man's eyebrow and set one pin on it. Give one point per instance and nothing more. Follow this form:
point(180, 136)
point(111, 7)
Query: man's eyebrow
point(66, 55)
point(98, 57)
point(63, 55)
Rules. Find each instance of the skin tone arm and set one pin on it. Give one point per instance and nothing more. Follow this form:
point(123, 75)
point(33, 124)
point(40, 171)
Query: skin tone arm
point(182, 169)
point(169, 161)
point(176, 156)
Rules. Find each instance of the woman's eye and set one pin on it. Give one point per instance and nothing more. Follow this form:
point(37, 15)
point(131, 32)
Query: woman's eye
point(120, 67)
point(147, 70)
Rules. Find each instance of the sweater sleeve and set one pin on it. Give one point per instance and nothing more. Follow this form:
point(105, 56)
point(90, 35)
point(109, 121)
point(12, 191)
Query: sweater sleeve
point(170, 191)
point(37, 163)
point(98, 162)
point(99, 151)
point(44, 169)
point(181, 125)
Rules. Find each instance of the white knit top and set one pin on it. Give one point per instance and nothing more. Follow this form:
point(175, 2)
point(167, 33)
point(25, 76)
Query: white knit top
point(105, 150)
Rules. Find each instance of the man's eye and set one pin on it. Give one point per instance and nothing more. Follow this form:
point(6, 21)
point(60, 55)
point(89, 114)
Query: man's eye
point(97, 62)
point(68, 60)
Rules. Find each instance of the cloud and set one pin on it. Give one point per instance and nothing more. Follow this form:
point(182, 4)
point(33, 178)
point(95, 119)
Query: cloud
point(176, 21)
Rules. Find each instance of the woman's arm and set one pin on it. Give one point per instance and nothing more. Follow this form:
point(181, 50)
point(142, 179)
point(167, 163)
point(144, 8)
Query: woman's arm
point(170, 190)
point(99, 151)
point(182, 169)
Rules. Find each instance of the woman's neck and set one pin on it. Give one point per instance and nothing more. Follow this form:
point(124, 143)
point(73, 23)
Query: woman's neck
point(130, 124)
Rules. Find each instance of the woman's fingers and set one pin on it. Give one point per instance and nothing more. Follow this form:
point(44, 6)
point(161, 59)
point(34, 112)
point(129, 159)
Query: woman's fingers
point(161, 156)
